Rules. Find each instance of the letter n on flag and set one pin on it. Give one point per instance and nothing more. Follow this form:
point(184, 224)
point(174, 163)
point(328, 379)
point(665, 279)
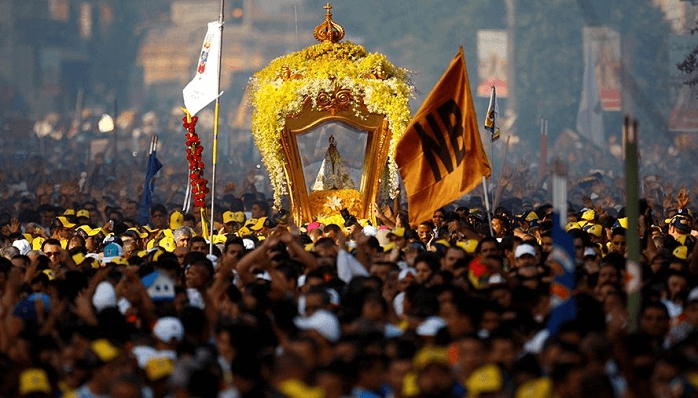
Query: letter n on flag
point(440, 156)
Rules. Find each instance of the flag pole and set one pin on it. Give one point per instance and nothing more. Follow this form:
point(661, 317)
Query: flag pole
point(214, 158)
point(487, 205)
point(632, 212)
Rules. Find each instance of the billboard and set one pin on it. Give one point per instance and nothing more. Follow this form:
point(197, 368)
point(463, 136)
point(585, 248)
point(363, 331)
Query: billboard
point(492, 46)
point(602, 46)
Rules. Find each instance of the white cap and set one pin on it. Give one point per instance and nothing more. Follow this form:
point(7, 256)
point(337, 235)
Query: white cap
point(323, 322)
point(589, 252)
point(430, 326)
point(496, 279)
point(168, 328)
point(524, 248)
point(692, 295)
point(105, 296)
point(370, 230)
point(22, 245)
point(248, 244)
point(406, 271)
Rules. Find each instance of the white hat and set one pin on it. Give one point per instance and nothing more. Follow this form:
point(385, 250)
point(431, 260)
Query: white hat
point(370, 230)
point(692, 295)
point(430, 326)
point(168, 328)
point(524, 248)
point(105, 296)
point(406, 271)
point(589, 252)
point(22, 245)
point(323, 322)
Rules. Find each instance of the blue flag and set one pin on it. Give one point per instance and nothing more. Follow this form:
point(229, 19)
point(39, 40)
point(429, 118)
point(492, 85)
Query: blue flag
point(561, 259)
point(146, 198)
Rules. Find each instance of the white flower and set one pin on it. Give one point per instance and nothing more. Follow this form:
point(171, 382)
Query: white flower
point(334, 203)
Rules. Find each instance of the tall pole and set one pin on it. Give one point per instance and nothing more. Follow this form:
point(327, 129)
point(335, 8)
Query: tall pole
point(214, 158)
point(632, 212)
point(511, 70)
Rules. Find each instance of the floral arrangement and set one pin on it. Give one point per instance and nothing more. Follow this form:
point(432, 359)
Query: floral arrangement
point(283, 87)
point(199, 190)
point(329, 202)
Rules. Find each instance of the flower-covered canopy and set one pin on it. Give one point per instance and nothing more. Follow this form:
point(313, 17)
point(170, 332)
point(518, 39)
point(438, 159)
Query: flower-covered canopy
point(328, 76)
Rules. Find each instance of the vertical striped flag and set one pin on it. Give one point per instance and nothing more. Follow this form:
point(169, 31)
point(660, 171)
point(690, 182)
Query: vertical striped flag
point(492, 115)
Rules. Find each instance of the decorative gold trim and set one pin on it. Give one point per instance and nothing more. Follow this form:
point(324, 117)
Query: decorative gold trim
point(375, 156)
point(328, 30)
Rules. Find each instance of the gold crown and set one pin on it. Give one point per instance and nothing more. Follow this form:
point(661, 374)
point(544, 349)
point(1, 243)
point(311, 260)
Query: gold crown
point(328, 30)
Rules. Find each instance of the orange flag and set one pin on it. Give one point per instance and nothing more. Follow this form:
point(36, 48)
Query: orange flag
point(441, 156)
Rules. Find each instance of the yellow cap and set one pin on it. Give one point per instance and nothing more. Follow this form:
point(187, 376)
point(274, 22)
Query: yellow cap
point(49, 272)
point(469, 245)
point(230, 216)
point(105, 350)
point(37, 242)
point(571, 225)
point(167, 243)
point(594, 229)
point(485, 379)
point(69, 212)
point(34, 380)
point(542, 387)
point(157, 368)
point(120, 261)
point(83, 213)
point(259, 224)
point(244, 231)
point(64, 222)
point(589, 215)
point(399, 232)
point(176, 219)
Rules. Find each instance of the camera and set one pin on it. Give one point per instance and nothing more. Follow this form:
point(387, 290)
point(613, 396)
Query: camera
point(349, 219)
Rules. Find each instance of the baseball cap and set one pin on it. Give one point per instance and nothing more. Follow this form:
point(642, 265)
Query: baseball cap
point(104, 350)
point(34, 380)
point(323, 322)
point(230, 216)
point(270, 223)
point(104, 297)
point(693, 295)
point(469, 245)
point(157, 368)
point(571, 225)
point(168, 328)
point(176, 219)
point(529, 216)
point(523, 249)
point(83, 213)
point(61, 222)
point(259, 224)
point(69, 212)
point(430, 326)
point(406, 273)
point(22, 245)
point(589, 252)
point(588, 215)
point(167, 243)
point(681, 223)
point(594, 229)
point(399, 232)
point(110, 251)
point(27, 308)
point(485, 379)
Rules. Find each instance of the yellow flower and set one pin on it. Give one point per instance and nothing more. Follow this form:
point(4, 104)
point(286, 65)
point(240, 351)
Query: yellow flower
point(319, 68)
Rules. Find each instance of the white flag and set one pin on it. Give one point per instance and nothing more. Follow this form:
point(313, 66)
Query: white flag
point(204, 87)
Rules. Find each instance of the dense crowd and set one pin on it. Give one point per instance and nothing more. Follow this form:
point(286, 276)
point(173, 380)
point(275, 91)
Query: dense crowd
point(95, 305)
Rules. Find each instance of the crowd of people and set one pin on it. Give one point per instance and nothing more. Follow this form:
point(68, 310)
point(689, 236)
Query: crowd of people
point(95, 305)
